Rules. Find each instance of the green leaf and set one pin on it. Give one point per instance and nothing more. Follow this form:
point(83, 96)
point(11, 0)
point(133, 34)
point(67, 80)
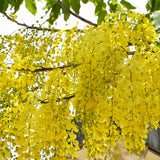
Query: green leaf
point(101, 6)
point(101, 16)
point(17, 5)
point(3, 5)
point(156, 20)
point(31, 6)
point(155, 5)
point(127, 4)
point(158, 44)
point(148, 6)
point(85, 1)
point(50, 4)
point(66, 13)
point(75, 4)
point(113, 8)
point(114, 2)
point(1, 115)
point(56, 12)
point(118, 7)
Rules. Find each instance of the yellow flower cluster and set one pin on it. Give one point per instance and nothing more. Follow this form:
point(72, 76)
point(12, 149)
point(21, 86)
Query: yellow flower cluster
point(113, 88)
point(118, 86)
point(36, 85)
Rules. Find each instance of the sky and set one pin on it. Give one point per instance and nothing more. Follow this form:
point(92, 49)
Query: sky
point(87, 11)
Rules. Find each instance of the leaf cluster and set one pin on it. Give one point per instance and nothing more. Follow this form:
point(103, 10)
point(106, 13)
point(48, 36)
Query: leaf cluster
point(55, 9)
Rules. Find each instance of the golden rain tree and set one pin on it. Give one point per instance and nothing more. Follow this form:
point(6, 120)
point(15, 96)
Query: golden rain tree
point(114, 89)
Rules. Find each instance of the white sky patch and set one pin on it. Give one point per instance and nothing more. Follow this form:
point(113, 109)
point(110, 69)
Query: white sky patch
point(140, 4)
point(87, 11)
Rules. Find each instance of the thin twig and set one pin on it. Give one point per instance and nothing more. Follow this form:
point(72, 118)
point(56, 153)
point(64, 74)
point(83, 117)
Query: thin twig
point(44, 102)
point(131, 53)
point(47, 69)
point(34, 27)
point(2, 101)
point(60, 99)
point(27, 26)
point(75, 15)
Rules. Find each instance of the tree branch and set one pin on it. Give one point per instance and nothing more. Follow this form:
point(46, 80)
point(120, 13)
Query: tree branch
point(47, 69)
point(75, 15)
point(33, 27)
point(25, 25)
point(59, 99)
point(1, 101)
point(131, 53)
point(44, 102)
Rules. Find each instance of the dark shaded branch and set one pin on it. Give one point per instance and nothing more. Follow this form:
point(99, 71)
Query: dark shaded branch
point(69, 97)
point(60, 67)
point(131, 53)
point(48, 69)
point(59, 99)
point(75, 15)
point(44, 102)
point(2, 101)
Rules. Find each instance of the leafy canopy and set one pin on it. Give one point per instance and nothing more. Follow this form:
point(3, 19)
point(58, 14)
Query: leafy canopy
point(55, 8)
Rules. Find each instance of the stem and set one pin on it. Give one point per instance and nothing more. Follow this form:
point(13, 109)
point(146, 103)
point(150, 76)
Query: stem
point(27, 26)
point(33, 27)
point(59, 99)
point(75, 15)
point(47, 69)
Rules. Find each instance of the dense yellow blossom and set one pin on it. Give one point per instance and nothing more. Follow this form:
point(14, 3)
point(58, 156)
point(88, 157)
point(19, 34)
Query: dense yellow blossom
point(114, 90)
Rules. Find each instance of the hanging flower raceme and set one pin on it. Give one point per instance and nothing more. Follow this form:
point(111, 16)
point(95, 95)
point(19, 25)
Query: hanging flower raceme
point(36, 85)
point(118, 88)
point(109, 74)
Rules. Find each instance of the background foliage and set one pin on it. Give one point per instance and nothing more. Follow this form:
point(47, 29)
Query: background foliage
point(54, 7)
